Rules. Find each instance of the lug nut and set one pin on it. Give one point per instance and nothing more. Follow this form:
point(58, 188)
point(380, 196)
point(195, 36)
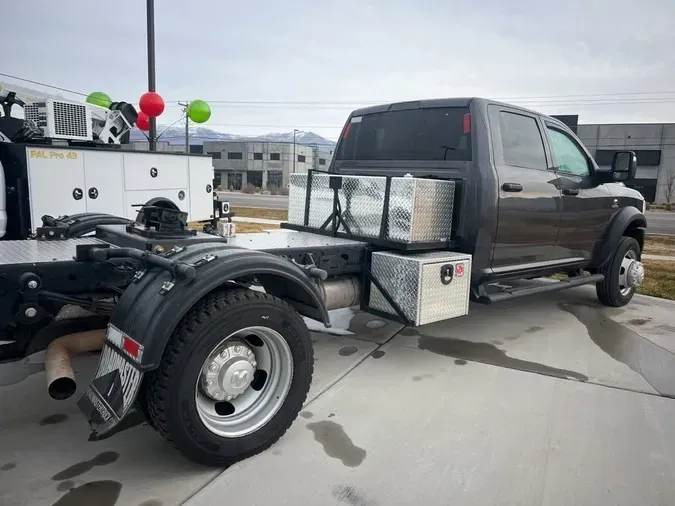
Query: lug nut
point(237, 349)
point(228, 398)
point(248, 353)
point(209, 383)
point(218, 394)
point(213, 367)
point(254, 363)
point(223, 354)
point(31, 312)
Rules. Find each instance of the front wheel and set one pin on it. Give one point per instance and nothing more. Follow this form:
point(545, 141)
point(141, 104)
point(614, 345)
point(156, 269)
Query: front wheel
point(233, 377)
point(623, 274)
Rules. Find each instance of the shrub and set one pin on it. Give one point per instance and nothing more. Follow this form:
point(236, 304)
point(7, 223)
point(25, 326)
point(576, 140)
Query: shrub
point(249, 188)
point(669, 206)
point(283, 190)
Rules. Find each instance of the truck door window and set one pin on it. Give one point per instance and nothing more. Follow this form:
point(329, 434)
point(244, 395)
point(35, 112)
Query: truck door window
point(428, 134)
point(569, 157)
point(521, 139)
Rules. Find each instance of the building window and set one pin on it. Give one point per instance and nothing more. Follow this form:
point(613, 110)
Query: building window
point(257, 156)
point(234, 155)
point(301, 158)
point(275, 157)
point(275, 178)
point(216, 155)
point(647, 157)
point(322, 161)
point(217, 179)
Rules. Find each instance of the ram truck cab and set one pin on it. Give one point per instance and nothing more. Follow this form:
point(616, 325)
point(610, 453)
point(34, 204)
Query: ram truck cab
point(532, 201)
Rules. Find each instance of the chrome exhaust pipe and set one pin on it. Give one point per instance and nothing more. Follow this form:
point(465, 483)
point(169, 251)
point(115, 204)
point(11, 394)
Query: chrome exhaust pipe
point(341, 292)
point(60, 377)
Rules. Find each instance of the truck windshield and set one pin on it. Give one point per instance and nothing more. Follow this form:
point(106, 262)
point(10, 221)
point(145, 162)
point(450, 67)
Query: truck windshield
point(436, 134)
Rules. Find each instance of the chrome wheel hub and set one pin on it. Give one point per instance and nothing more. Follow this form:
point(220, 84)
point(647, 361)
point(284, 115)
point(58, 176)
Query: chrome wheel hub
point(244, 382)
point(631, 273)
point(229, 371)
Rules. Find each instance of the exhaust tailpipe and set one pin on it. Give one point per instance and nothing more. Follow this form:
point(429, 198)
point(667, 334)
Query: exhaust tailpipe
point(60, 378)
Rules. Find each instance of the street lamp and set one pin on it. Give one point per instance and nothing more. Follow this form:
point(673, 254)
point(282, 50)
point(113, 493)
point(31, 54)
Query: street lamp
point(295, 158)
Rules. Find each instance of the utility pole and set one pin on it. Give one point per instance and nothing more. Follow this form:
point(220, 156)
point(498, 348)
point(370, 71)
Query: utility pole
point(295, 158)
point(150, 14)
point(187, 126)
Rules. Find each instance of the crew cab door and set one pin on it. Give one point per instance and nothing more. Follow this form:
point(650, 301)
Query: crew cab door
point(586, 205)
point(529, 200)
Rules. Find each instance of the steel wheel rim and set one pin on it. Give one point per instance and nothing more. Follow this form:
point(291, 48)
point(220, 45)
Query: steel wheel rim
point(628, 258)
point(253, 408)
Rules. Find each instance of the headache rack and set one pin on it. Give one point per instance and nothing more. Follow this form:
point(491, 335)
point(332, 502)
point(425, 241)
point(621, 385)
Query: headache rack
point(398, 213)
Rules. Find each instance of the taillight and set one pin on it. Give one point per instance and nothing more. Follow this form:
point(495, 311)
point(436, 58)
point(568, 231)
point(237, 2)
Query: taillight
point(133, 349)
point(466, 123)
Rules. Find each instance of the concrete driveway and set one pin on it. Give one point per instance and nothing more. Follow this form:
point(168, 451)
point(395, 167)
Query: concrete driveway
point(552, 400)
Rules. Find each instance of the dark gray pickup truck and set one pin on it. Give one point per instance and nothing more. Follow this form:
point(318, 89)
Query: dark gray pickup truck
point(533, 201)
point(426, 206)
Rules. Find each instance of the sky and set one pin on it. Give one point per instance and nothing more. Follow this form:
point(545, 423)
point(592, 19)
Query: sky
point(610, 61)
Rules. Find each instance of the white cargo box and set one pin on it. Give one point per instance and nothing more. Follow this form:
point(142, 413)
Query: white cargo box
point(427, 287)
point(420, 210)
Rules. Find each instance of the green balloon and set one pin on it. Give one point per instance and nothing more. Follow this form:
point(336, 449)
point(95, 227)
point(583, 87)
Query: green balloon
point(99, 98)
point(199, 111)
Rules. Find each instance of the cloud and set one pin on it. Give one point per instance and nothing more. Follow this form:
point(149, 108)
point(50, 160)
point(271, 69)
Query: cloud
point(351, 52)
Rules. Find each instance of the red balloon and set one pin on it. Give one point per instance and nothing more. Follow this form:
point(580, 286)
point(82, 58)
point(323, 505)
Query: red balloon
point(152, 104)
point(143, 121)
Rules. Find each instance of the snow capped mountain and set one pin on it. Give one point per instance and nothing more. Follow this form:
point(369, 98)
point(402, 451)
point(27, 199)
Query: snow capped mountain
point(176, 135)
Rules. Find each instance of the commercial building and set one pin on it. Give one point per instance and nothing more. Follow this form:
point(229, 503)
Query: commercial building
point(262, 164)
point(653, 143)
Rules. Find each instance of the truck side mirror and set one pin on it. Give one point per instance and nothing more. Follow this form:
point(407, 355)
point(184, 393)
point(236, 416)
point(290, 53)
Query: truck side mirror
point(624, 166)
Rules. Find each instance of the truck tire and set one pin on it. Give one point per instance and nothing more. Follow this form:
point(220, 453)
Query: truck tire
point(614, 289)
point(233, 377)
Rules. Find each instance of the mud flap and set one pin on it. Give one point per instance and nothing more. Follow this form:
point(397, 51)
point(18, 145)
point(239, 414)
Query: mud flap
point(112, 392)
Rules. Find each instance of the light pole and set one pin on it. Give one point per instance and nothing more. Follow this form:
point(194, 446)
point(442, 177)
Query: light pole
point(150, 14)
point(295, 158)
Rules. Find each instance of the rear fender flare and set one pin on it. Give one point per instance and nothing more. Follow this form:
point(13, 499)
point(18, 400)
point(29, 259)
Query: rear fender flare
point(150, 318)
point(624, 219)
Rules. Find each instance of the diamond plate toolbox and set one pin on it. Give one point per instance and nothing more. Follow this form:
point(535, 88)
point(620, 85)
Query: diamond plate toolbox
point(420, 210)
point(428, 287)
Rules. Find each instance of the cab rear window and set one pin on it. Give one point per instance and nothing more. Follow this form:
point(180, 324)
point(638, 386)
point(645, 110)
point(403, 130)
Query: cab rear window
point(437, 134)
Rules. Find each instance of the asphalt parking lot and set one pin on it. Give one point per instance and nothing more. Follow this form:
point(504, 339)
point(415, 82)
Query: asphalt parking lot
point(552, 400)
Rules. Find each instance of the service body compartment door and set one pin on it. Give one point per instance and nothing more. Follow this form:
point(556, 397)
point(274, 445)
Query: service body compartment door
point(178, 196)
point(56, 182)
point(104, 182)
point(155, 171)
point(201, 188)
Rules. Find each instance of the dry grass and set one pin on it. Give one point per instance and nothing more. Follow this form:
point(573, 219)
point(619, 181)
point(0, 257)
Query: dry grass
point(258, 212)
point(249, 228)
point(659, 245)
point(659, 279)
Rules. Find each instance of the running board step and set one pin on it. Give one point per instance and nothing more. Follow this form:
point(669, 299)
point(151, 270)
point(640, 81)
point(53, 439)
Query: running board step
point(514, 293)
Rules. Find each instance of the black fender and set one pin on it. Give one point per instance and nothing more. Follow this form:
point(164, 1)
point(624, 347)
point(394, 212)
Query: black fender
point(626, 221)
point(148, 312)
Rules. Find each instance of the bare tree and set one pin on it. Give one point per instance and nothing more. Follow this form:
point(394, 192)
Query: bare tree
point(669, 185)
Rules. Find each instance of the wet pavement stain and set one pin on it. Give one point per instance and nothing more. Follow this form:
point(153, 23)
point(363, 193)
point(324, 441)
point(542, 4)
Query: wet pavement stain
point(422, 376)
point(133, 419)
point(346, 351)
point(377, 354)
point(497, 343)
point(151, 502)
point(306, 414)
point(331, 415)
point(350, 495)
point(376, 324)
point(533, 329)
point(336, 443)
point(666, 328)
point(459, 361)
point(487, 353)
point(99, 493)
point(276, 452)
point(8, 467)
point(654, 363)
point(102, 459)
point(64, 486)
point(53, 419)
point(639, 321)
